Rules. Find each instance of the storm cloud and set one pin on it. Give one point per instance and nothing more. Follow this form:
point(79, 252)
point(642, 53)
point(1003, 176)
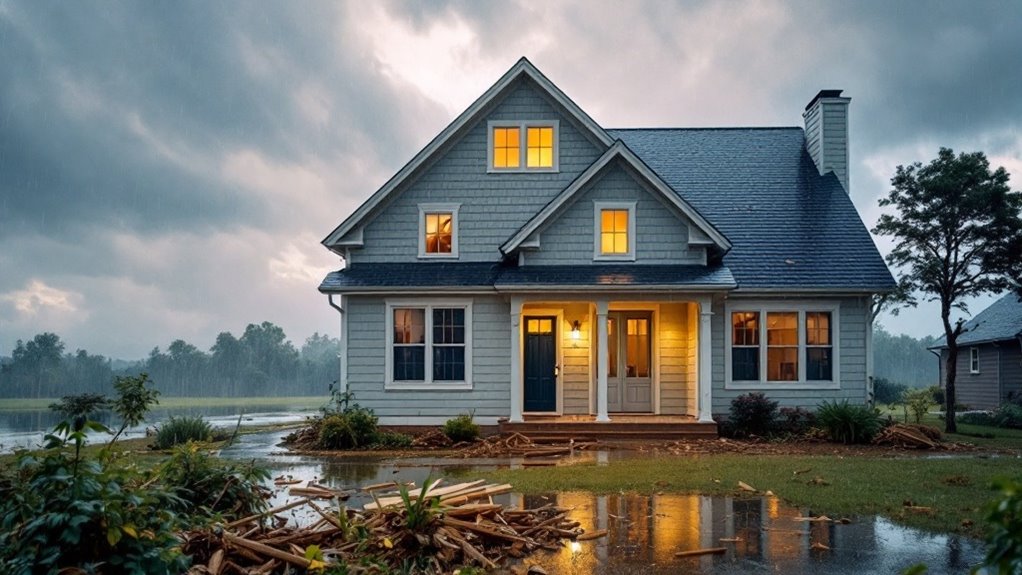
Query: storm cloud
point(168, 169)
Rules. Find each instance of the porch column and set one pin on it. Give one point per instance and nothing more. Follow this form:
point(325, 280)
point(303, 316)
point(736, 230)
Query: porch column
point(704, 362)
point(516, 361)
point(602, 363)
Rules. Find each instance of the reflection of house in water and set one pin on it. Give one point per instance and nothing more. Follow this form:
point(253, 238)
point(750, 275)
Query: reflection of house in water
point(644, 533)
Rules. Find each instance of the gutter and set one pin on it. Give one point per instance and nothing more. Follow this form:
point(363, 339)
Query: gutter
point(342, 351)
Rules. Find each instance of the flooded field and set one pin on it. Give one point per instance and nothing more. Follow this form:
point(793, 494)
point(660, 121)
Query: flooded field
point(760, 534)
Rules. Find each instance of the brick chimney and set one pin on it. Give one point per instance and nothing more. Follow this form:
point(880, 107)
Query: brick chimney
point(826, 118)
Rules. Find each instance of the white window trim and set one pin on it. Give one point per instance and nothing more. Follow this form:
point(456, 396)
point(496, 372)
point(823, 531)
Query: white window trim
point(598, 208)
point(973, 360)
point(432, 209)
point(801, 308)
point(522, 145)
point(428, 384)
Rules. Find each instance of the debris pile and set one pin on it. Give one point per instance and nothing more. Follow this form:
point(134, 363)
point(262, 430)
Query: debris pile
point(516, 444)
point(912, 437)
point(437, 529)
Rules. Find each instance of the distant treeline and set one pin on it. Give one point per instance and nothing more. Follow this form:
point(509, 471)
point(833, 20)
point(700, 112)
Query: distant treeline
point(260, 362)
point(904, 359)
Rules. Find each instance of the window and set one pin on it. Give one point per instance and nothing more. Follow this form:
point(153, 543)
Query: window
point(779, 345)
point(522, 146)
point(429, 346)
point(614, 231)
point(973, 360)
point(438, 230)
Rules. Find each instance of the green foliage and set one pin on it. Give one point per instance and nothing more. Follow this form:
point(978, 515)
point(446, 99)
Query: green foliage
point(1008, 415)
point(937, 393)
point(419, 513)
point(76, 409)
point(212, 487)
point(977, 418)
point(794, 421)
point(752, 414)
point(180, 430)
point(847, 423)
point(392, 440)
point(886, 392)
point(461, 428)
point(918, 401)
point(356, 427)
point(1004, 544)
point(133, 401)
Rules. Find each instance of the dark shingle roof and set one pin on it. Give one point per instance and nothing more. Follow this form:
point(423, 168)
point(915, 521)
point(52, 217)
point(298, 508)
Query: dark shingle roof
point(1002, 320)
point(790, 227)
point(417, 275)
point(617, 275)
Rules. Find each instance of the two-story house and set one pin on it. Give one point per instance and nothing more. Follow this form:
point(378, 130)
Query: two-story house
point(529, 263)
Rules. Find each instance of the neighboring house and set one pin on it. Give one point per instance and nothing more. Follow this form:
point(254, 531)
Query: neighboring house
point(530, 262)
point(989, 370)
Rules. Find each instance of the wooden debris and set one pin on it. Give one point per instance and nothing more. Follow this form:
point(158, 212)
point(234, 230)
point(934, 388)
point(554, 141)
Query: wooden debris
point(909, 436)
point(819, 519)
point(467, 528)
point(700, 552)
point(746, 487)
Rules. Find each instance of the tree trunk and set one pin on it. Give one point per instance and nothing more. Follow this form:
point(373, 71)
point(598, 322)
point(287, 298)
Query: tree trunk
point(951, 367)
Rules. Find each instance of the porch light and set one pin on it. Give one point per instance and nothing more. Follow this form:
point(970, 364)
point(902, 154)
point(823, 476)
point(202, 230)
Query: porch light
point(576, 330)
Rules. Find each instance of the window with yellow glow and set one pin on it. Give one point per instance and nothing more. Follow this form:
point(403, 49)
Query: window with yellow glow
point(439, 233)
point(614, 232)
point(507, 147)
point(539, 147)
point(782, 346)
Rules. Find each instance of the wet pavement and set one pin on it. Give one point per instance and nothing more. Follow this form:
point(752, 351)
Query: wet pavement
point(760, 534)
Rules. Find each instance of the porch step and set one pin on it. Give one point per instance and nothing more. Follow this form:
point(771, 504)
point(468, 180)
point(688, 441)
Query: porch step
point(541, 432)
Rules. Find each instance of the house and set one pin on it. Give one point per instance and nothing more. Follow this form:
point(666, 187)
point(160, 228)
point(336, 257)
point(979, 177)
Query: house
point(530, 264)
point(989, 369)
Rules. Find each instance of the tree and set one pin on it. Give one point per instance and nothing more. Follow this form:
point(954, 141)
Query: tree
point(954, 231)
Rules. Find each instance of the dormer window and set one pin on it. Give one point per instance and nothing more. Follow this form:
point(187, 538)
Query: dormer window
point(614, 228)
point(522, 146)
point(438, 230)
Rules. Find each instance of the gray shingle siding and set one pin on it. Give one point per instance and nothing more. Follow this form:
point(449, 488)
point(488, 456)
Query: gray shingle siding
point(661, 234)
point(493, 206)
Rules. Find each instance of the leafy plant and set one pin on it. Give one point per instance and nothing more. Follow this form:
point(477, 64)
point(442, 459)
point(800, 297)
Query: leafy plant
point(461, 428)
point(752, 414)
point(392, 440)
point(133, 401)
point(180, 430)
point(1004, 544)
point(339, 402)
point(918, 401)
point(886, 392)
point(977, 418)
point(794, 421)
point(356, 427)
point(847, 423)
point(211, 486)
point(419, 513)
point(1008, 415)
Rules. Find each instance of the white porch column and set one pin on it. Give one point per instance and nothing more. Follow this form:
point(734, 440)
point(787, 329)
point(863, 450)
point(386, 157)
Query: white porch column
point(704, 361)
point(516, 361)
point(602, 363)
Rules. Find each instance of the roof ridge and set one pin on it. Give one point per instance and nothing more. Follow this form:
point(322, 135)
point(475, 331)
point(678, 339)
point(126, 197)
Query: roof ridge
point(711, 128)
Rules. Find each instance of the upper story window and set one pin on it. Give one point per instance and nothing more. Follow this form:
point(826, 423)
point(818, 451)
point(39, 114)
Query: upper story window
point(774, 345)
point(973, 360)
point(522, 146)
point(614, 230)
point(438, 230)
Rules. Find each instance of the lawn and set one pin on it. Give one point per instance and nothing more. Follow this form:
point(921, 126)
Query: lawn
point(290, 403)
point(976, 434)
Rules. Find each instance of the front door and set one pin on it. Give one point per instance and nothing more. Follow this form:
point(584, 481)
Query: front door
point(630, 362)
point(540, 364)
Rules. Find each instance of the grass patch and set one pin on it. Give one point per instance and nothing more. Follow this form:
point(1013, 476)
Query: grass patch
point(292, 403)
point(978, 435)
point(954, 488)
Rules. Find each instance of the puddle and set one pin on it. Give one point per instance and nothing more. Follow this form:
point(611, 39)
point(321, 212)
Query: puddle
point(645, 531)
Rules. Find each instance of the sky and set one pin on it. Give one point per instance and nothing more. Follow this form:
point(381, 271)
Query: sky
point(168, 169)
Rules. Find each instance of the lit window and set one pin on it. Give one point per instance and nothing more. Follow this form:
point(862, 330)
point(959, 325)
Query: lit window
point(615, 230)
point(429, 345)
point(439, 235)
point(973, 360)
point(819, 347)
point(782, 346)
point(506, 147)
point(745, 339)
point(540, 148)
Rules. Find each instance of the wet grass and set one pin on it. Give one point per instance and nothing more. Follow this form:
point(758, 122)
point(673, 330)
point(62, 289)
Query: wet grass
point(289, 403)
point(983, 436)
point(952, 490)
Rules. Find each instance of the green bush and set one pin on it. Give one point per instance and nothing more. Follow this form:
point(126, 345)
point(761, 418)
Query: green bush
point(461, 428)
point(847, 423)
point(213, 487)
point(180, 430)
point(794, 421)
point(354, 428)
point(976, 418)
point(1008, 415)
point(752, 414)
point(1004, 544)
point(886, 392)
point(938, 394)
point(918, 401)
point(393, 440)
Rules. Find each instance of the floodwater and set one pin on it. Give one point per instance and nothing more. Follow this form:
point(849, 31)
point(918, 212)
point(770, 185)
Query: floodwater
point(24, 428)
point(760, 534)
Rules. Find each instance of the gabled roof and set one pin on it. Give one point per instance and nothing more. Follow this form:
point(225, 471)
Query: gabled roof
point(617, 150)
point(523, 68)
point(1001, 321)
point(790, 228)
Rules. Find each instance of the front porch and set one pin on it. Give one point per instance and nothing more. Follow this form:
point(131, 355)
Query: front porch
point(637, 365)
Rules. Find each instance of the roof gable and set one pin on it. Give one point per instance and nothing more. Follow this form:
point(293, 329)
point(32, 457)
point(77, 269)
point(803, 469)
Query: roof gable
point(617, 151)
point(1001, 321)
point(523, 68)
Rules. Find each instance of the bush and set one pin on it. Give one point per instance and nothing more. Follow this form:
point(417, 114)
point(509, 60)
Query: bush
point(795, 421)
point(461, 428)
point(976, 418)
point(1004, 544)
point(180, 430)
point(938, 394)
point(354, 428)
point(918, 401)
point(847, 423)
point(886, 392)
point(212, 486)
point(752, 414)
point(1008, 415)
point(393, 440)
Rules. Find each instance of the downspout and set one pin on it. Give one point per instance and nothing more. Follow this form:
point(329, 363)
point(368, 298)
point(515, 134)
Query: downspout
point(342, 363)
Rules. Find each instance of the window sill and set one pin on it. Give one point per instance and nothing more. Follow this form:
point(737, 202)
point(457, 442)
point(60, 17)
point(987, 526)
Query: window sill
point(420, 386)
point(615, 258)
point(777, 385)
point(523, 171)
point(973, 373)
point(451, 256)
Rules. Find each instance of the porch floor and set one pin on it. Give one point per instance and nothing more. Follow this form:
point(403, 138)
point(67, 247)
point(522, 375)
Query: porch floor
point(621, 426)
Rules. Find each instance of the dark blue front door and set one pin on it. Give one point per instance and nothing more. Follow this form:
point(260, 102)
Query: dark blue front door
point(540, 364)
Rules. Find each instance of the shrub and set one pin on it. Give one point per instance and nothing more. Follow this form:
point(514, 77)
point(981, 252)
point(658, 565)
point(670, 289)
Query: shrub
point(179, 430)
point(976, 418)
point(1004, 544)
point(212, 486)
point(461, 428)
point(393, 440)
point(752, 414)
point(938, 394)
point(918, 401)
point(354, 428)
point(847, 423)
point(795, 421)
point(886, 392)
point(1008, 415)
